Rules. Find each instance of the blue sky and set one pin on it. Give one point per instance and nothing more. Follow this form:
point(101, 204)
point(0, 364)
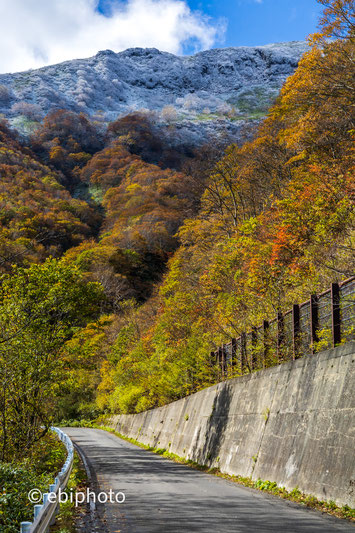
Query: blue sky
point(34, 33)
point(251, 22)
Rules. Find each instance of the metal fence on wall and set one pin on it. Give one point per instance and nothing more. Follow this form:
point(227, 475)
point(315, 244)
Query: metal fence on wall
point(324, 321)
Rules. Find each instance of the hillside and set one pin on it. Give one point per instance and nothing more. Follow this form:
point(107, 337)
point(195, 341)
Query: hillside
point(38, 216)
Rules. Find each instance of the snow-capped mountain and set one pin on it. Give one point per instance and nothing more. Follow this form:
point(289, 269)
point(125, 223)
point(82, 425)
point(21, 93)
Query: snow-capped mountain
point(211, 89)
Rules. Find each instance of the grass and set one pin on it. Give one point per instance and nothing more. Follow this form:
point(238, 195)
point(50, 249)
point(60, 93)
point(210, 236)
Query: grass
point(205, 117)
point(295, 495)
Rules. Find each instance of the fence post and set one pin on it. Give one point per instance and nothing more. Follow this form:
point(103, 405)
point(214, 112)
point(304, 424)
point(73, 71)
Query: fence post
point(296, 330)
point(224, 363)
point(314, 321)
point(220, 368)
point(212, 360)
point(266, 326)
point(280, 333)
point(216, 362)
point(243, 342)
point(336, 317)
point(234, 353)
point(254, 340)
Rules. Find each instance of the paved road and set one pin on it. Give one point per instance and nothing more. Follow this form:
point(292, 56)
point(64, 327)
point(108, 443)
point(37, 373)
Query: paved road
point(165, 497)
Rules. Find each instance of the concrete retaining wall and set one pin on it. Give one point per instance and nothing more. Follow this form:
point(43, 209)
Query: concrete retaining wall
point(293, 424)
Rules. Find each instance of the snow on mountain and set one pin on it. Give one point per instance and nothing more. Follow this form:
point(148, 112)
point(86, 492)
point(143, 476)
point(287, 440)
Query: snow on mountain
point(218, 89)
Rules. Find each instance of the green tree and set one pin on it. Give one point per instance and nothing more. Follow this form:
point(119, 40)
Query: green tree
point(40, 308)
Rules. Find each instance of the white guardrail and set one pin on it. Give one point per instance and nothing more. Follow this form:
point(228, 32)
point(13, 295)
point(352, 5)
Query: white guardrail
point(44, 515)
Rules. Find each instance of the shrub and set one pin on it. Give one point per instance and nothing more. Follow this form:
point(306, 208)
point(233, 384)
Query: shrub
point(5, 94)
point(30, 111)
point(17, 479)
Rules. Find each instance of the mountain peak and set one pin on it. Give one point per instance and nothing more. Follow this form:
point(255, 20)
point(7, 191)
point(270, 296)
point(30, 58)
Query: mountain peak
point(105, 53)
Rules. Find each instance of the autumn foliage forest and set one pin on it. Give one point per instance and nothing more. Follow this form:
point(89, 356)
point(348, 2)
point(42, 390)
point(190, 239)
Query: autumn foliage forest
point(125, 262)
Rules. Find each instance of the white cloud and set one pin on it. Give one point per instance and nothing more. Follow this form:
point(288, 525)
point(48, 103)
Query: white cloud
point(34, 33)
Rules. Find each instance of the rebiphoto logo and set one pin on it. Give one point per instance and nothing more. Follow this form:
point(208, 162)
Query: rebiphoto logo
point(35, 496)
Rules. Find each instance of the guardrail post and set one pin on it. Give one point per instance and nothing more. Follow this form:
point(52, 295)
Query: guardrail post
point(314, 321)
point(266, 326)
point(36, 510)
point(25, 527)
point(336, 316)
point(280, 333)
point(296, 330)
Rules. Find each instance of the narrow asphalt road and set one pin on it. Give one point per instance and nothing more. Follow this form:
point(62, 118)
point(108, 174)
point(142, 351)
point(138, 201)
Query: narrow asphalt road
point(166, 497)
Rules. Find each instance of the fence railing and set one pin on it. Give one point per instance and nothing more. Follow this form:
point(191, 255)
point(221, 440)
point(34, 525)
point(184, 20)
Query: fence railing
point(44, 514)
point(322, 322)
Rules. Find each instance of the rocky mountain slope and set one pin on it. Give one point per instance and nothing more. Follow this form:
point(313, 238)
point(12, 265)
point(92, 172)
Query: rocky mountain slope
point(218, 89)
